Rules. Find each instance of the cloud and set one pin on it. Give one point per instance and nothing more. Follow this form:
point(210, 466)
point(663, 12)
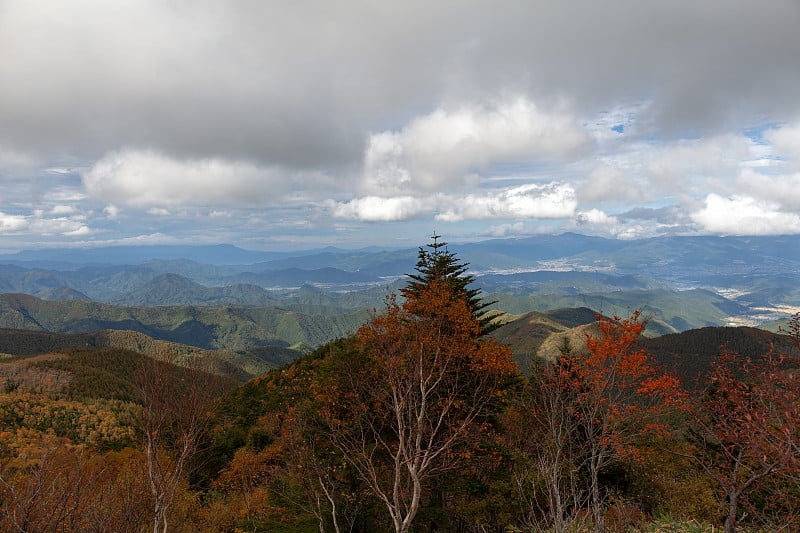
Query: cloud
point(634, 224)
point(676, 163)
point(79, 232)
point(203, 106)
point(37, 224)
point(743, 215)
point(551, 201)
point(608, 184)
point(442, 150)
point(111, 211)
point(668, 215)
point(63, 210)
point(530, 201)
point(504, 230)
point(595, 217)
point(786, 142)
point(782, 190)
point(14, 162)
point(643, 171)
point(376, 209)
point(148, 178)
point(301, 85)
point(12, 223)
point(136, 240)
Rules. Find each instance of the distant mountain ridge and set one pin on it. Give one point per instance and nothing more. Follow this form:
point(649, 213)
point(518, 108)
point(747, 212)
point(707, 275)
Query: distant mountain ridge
point(174, 289)
point(526, 334)
point(744, 280)
point(246, 363)
point(222, 327)
point(689, 353)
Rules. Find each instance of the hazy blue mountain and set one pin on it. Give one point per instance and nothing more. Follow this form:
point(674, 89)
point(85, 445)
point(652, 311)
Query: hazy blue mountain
point(382, 263)
point(562, 282)
point(527, 251)
point(221, 254)
point(173, 289)
point(757, 274)
point(294, 277)
point(61, 293)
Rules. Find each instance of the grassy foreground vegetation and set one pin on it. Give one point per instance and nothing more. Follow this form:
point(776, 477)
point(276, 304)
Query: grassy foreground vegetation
point(416, 422)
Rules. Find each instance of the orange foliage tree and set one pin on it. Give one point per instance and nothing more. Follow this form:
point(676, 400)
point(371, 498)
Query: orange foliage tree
point(71, 488)
point(619, 397)
point(421, 387)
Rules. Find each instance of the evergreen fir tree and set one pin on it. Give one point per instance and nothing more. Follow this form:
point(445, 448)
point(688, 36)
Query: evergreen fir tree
point(436, 262)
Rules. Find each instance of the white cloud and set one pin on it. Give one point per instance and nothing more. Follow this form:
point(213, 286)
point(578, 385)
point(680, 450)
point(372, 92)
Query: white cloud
point(551, 201)
point(744, 215)
point(504, 230)
point(136, 240)
point(686, 163)
point(12, 223)
point(785, 140)
point(608, 184)
point(595, 217)
point(80, 231)
point(376, 209)
point(441, 151)
point(530, 201)
point(37, 224)
point(783, 190)
point(646, 171)
point(143, 178)
point(62, 210)
point(598, 222)
point(66, 193)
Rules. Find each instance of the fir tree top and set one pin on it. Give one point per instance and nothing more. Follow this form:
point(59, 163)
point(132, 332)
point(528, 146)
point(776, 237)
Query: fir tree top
point(436, 262)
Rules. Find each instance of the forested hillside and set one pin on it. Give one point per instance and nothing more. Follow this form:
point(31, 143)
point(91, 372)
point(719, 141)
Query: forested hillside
point(228, 327)
point(243, 363)
point(414, 422)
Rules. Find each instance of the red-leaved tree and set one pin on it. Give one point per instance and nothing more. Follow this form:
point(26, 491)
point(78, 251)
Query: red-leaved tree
point(745, 426)
point(620, 395)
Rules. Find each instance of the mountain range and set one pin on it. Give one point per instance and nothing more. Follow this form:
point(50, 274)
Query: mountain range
point(224, 297)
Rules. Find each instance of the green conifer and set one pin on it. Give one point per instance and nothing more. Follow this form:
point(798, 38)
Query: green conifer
point(436, 262)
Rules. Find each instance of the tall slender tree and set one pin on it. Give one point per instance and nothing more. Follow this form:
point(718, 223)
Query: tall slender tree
point(435, 262)
point(421, 388)
point(173, 419)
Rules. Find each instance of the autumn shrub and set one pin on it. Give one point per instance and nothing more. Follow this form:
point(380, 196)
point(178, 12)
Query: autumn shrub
point(28, 420)
point(71, 489)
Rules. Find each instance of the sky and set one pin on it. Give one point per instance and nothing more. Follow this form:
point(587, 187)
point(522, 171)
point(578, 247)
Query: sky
point(291, 125)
